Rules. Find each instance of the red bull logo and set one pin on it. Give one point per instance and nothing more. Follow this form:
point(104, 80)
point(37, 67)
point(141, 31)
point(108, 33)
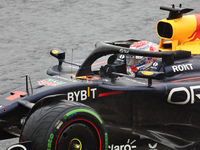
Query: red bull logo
point(196, 34)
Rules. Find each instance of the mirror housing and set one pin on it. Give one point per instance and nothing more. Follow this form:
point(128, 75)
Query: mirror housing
point(150, 75)
point(59, 54)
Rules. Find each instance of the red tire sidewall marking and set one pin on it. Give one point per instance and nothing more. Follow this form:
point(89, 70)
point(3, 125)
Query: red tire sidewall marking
point(75, 121)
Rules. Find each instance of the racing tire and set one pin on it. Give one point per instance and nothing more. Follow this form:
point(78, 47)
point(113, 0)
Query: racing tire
point(65, 125)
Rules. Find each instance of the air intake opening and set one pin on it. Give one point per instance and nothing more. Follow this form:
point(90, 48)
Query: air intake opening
point(165, 30)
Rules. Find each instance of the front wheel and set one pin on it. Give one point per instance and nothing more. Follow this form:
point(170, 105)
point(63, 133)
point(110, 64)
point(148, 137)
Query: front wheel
point(65, 125)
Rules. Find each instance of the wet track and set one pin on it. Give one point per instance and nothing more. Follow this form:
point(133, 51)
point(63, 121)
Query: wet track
point(29, 29)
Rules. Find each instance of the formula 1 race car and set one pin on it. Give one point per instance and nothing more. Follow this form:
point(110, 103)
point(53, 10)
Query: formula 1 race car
point(126, 95)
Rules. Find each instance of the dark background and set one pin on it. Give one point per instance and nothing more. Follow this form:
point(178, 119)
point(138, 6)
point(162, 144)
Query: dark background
point(29, 29)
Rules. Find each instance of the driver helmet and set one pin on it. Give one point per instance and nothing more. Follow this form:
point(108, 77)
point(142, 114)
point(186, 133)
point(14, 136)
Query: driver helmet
point(135, 63)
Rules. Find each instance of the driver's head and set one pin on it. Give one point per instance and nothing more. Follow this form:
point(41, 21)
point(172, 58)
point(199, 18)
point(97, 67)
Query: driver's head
point(135, 63)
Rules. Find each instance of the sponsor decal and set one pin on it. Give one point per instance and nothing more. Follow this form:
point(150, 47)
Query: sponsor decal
point(182, 67)
point(59, 124)
point(82, 95)
point(128, 146)
point(152, 147)
point(121, 57)
point(50, 82)
point(124, 51)
point(189, 98)
point(15, 95)
point(155, 64)
point(50, 141)
point(147, 73)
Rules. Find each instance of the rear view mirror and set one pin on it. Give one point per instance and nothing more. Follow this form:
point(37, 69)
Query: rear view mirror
point(150, 75)
point(59, 54)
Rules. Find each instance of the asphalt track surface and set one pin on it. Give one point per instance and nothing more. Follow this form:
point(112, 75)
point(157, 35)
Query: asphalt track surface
point(29, 29)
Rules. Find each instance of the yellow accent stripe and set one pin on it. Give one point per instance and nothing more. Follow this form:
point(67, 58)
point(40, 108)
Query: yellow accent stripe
point(88, 91)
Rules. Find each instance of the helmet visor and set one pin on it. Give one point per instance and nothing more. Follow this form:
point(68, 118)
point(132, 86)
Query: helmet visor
point(132, 60)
